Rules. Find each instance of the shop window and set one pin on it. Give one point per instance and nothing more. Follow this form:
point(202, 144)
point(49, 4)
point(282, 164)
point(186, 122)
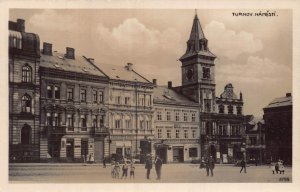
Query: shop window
point(193, 152)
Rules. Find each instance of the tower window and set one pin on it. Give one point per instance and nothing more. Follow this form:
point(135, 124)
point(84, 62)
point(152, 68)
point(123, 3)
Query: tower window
point(57, 92)
point(207, 103)
point(230, 109)
point(206, 72)
point(221, 109)
point(239, 110)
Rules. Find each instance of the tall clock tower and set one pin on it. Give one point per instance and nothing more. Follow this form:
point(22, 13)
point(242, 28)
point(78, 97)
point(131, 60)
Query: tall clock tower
point(198, 69)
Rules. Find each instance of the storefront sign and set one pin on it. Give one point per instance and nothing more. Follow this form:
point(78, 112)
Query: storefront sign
point(225, 158)
point(230, 152)
point(218, 155)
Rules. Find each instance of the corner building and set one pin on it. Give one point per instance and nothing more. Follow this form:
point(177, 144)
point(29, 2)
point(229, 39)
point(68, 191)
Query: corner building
point(221, 118)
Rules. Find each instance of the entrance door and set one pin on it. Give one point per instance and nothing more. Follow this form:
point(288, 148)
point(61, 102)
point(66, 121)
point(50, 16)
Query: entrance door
point(162, 153)
point(70, 148)
point(84, 147)
point(178, 154)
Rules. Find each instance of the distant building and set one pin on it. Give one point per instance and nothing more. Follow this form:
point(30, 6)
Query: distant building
point(176, 120)
point(255, 140)
point(278, 121)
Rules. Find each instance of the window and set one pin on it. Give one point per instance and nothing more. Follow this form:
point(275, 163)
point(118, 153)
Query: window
point(26, 104)
point(83, 120)
point(185, 117)
point(148, 125)
point(95, 123)
point(70, 122)
point(49, 119)
point(57, 92)
point(142, 101)
point(149, 101)
point(230, 109)
point(101, 96)
point(49, 91)
point(168, 115)
point(193, 117)
point(95, 96)
point(169, 134)
point(118, 100)
point(239, 110)
point(207, 103)
point(26, 74)
point(127, 123)
point(177, 133)
point(55, 120)
point(101, 120)
point(194, 133)
point(117, 123)
point(206, 73)
point(159, 133)
point(142, 124)
point(70, 93)
point(186, 134)
point(177, 116)
point(193, 152)
point(127, 99)
point(83, 95)
point(253, 140)
point(221, 109)
point(159, 115)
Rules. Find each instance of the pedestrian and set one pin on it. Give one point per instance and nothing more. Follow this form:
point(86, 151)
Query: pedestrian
point(280, 167)
point(104, 162)
point(125, 170)
point(210, 165)
point(148, 165)
point(243, 165)
point(158, 165)
point(113, 173)
point(276, 167)
point(273, 167)
point(117, 170)
point(132, 169)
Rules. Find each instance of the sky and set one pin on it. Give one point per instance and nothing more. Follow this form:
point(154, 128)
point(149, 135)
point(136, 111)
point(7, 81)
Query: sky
point(253, 53)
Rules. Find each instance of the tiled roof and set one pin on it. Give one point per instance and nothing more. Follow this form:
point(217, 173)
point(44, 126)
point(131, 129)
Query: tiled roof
point(280, 102)
point(162, 94)
point(60, 62)
point(121, 73)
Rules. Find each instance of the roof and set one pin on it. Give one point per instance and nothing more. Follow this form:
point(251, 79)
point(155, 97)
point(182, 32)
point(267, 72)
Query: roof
point(162, 94)
point(121, 73)
point(60, 62)
point(196, 32)
point(254, 123)
point(280, 102)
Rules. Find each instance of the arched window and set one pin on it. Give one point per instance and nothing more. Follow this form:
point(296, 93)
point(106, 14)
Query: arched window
point(26, 74)
point(26, 104)
point(26, 135)
point(221, 108)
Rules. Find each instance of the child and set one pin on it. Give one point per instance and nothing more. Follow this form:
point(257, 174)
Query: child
point(117, 170)
point(273, 167)
point(132, 168)
point(281, 166)
point(125, 170)
point(113, 175)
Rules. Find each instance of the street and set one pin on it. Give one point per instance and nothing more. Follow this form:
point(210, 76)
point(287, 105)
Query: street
point(171, 173)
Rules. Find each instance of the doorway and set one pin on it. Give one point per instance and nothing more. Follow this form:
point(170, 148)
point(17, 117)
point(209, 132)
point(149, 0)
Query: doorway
point(70, 148)
point(178, 155)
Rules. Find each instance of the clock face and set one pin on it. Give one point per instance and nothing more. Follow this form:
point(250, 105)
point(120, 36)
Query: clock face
point(189, 74)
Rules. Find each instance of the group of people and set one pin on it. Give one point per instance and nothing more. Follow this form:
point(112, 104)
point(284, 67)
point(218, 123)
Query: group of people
point(158, 165)
point(116, 168)
point(277, 167)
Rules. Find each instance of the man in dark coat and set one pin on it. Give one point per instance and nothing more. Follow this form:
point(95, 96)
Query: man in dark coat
point(158, 165)
point(210, 165)
point(148, 165)
point(243, 165)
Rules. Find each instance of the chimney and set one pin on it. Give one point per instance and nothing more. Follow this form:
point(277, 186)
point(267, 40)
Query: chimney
point(154, 81)
point(21, 25)
point(70, 53)
point(47, 48)
point(288, 94)
point(129, 66)
point(169, 84)
point(241, 96)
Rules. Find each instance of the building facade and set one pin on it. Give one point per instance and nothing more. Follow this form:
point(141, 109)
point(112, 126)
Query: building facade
point(221, 118)
point(278, 117)
point(24, 93)
point(177, 133)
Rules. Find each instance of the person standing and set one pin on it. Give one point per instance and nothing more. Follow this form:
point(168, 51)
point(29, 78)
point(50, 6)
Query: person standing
point(158, 165)
point(243, 165)
point(125, 170)
point(148, 165)
point(132, 169)
point(210, 165)
point(104, 162)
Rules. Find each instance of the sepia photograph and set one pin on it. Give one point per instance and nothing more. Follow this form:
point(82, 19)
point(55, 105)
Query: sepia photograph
point(149, 96)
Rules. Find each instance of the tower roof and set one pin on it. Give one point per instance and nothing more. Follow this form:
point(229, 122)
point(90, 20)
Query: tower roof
point(197, 43)
point(196, 32)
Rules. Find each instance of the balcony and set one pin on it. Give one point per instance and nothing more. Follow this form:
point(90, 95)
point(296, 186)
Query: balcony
point(100, 131)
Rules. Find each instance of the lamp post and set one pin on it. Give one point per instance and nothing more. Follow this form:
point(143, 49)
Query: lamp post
point(136, 118)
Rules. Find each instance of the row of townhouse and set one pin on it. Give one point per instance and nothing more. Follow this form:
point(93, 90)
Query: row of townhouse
point(65, 107)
